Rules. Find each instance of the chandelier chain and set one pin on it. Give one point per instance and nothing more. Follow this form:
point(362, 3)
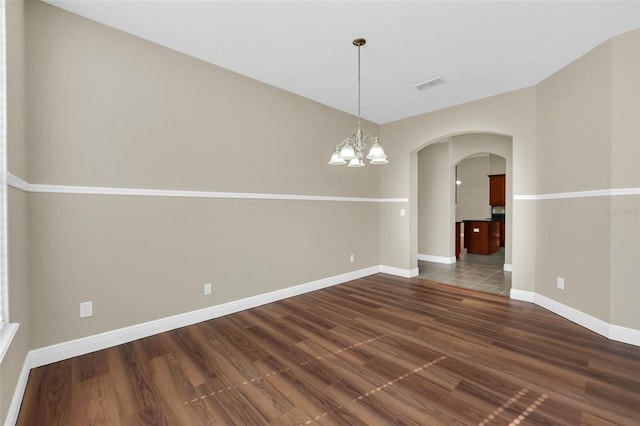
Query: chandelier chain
point(358, 86)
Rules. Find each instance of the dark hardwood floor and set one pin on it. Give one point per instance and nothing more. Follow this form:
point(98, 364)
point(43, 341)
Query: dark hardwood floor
point(380, 350)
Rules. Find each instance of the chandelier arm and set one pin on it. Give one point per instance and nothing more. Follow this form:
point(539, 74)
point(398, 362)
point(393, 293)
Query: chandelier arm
point(368, 138)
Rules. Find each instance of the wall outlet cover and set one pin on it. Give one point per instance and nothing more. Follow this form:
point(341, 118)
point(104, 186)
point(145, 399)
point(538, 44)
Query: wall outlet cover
point(86, 309)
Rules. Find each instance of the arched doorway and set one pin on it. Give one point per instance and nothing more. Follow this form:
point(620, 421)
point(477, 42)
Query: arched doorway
point(436, 198)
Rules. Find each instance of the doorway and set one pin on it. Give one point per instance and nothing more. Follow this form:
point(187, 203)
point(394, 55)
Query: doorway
point(442, 202)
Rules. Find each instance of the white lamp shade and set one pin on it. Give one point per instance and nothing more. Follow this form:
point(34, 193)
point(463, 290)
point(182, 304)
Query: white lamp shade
point(376, 152)
point(347, 152)
point(379, 160)
point(355, 163)
point(336, 159)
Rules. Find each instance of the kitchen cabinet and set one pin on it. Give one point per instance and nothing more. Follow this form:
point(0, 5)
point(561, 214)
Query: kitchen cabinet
point(482, 236)
point(458, 231)
point(497, 190)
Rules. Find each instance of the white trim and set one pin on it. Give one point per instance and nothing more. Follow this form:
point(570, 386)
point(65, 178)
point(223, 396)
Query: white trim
point(507, 267)
point(405, 273)
point(77, 347)
point(523, 295)
point(574, 315)
point(18, 393)
point(613, 192)
point(624, 334)
point(7, 333)
point(69, 349)
point(17, 183)
point(610, 331)
point(437, 259)
point(65, 350)
point(21, 184)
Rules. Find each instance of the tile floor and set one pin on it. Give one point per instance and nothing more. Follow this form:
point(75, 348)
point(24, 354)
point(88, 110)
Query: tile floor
point(474, 271)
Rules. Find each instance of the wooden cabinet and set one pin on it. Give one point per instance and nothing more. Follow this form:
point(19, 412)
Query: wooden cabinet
point(497, 190)
point(458, 231)
point(481, 237)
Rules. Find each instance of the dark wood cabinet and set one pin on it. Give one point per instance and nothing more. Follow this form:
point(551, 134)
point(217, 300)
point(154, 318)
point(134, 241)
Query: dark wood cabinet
point(497, 190)
point(481, 237)
point(458, 248)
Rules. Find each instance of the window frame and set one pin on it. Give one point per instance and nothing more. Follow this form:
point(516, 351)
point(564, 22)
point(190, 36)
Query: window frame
point(7, 329)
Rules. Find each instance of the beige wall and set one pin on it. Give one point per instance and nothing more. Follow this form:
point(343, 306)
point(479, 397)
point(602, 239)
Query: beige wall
point(110, 109)
point(143, 258)
point(497, 165)
point(473, 192)
point(19, 296)
point(104, 108)
point(624, 213)
point(588, 140)
point(434, 200)
point(574, 145)
point(575, 131)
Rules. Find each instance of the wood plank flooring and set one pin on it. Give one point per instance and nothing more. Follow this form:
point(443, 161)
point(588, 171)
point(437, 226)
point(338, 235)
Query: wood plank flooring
point(380, 350)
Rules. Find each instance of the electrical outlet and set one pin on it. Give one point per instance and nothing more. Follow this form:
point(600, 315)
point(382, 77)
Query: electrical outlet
point(403, 212)
point(86, 309)
point(560, 283)
point(352, 258)
point(207, 289)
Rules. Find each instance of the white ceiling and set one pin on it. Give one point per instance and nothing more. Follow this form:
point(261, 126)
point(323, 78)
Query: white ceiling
point(480, 48)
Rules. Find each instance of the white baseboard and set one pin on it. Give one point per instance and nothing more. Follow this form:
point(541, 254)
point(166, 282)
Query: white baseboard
point(610, 331)
point(507, 267)
point(18, 393)
point(525, 296)
point(65, 350)
point(624, 334)
point(85, 345)
point(437, 259)
point(406, 273)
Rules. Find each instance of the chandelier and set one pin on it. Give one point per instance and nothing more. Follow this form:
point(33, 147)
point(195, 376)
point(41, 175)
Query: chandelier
point(352, 149)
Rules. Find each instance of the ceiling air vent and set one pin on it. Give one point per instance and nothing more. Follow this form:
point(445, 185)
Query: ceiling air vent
point(429, 83)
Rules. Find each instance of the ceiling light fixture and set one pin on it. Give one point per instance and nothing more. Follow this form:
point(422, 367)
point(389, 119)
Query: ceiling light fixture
point(352, 149)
